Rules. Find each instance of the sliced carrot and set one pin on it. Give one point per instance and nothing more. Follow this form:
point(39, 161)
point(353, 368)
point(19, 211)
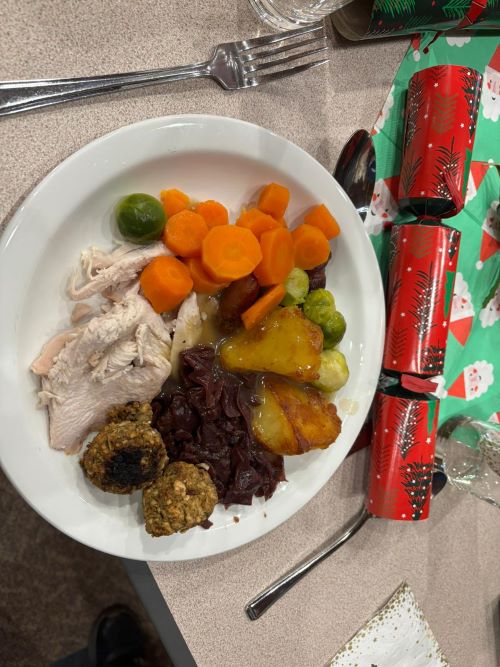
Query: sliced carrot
point(165, 282)
point(202, 282)
point(213, 213)
point(263, 306)
point(277, 257)
point(230, 252)
point(256, 221)
point(320, 217)
point(274, 199)
point(184, 233)
point(311, 247)
point(173, 201)
point(282, 222)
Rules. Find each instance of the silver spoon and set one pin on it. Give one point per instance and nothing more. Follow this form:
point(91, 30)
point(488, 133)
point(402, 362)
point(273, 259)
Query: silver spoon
point(355, 170)
point(261, 603)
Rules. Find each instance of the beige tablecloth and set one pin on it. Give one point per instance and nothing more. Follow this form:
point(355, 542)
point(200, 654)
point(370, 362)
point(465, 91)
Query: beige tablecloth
point(451, 562)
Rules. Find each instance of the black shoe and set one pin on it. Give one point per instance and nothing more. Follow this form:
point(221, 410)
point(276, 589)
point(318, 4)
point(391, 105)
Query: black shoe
point(116, 639)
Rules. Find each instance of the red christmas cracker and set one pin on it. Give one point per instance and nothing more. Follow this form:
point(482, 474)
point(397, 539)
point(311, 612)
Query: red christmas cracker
point(441, 115)
point(422, 266)
point(402, 454)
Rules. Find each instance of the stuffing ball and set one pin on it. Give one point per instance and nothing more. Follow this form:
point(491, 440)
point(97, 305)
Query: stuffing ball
point(130, 412)
point(183, 497)
point(124, 457)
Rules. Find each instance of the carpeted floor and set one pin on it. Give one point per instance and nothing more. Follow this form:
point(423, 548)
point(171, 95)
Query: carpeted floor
point(52, 588)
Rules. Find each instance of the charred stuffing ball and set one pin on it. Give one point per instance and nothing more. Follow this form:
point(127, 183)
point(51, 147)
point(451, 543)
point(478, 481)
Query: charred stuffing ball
point(124, 457)
point(183, 497)
point(130, 412)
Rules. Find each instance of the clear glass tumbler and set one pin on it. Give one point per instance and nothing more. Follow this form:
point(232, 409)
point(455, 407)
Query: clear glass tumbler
point(289, 14)
point(469, 452)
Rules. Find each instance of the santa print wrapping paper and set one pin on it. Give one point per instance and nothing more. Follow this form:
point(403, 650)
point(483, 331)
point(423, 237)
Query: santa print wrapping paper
point(441, 113)
point(469, 383)
point(422, 263)
point(402, 454)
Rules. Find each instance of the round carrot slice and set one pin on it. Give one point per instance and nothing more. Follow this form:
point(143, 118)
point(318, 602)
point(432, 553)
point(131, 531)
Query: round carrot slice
point(277, 257)
point(213, 213)
point(184, 233)
point(202, 282)
point(173, 201)
point(311, 247)
point(230, 253)
point(274, 199)
point(320, 217)
point(256, 221)
point(165, 282)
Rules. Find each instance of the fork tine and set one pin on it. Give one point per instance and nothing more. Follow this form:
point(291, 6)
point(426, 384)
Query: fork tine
point(247, 44)
point(248, 57)
point(273, 76)
point(285, 61)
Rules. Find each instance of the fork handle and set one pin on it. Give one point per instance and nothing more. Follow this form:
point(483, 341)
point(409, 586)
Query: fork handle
point(260, 604)
point(17, 96)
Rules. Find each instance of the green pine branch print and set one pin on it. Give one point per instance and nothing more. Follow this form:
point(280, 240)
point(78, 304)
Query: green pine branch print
point(424, 302)
point(444, 112)
point(421, 244)
point(417, 478)
point(394, 7)
point(415, 102)
point(418, 21)
point(408, 418)
point(448, 160)
point(409, 173)
point(456, 9)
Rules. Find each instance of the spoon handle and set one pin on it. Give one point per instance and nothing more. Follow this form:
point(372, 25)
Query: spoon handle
point(260, 604)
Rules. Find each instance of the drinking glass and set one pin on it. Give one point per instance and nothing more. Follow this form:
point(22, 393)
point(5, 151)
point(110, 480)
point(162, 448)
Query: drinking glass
point(469, 452)
point(289, 14)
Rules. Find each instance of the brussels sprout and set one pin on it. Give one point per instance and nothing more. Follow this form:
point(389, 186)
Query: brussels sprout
point(297, 287)
point(319, 306)
point(333, 371)
point(140, 218)
point(333, 330)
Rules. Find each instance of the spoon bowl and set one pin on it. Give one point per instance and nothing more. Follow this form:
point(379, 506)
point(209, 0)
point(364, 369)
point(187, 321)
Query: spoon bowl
point(355, 170)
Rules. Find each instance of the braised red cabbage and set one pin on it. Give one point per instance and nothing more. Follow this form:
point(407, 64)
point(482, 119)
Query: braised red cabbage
point(207, 419)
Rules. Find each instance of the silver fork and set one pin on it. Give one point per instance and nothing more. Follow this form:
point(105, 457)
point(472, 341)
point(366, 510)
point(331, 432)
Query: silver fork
point(233, 66)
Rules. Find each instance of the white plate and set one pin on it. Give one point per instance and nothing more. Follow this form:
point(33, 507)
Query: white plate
point(208, 157)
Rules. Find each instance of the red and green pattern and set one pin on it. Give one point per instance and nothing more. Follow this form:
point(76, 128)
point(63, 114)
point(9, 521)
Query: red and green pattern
point(407, 16)
point(441, 114)
point(469, 382)
point(402, 457)
point(423, 260)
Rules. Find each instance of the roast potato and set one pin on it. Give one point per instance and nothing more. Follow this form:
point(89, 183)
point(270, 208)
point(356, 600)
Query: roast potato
point(285, 342)
point(292, 419)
